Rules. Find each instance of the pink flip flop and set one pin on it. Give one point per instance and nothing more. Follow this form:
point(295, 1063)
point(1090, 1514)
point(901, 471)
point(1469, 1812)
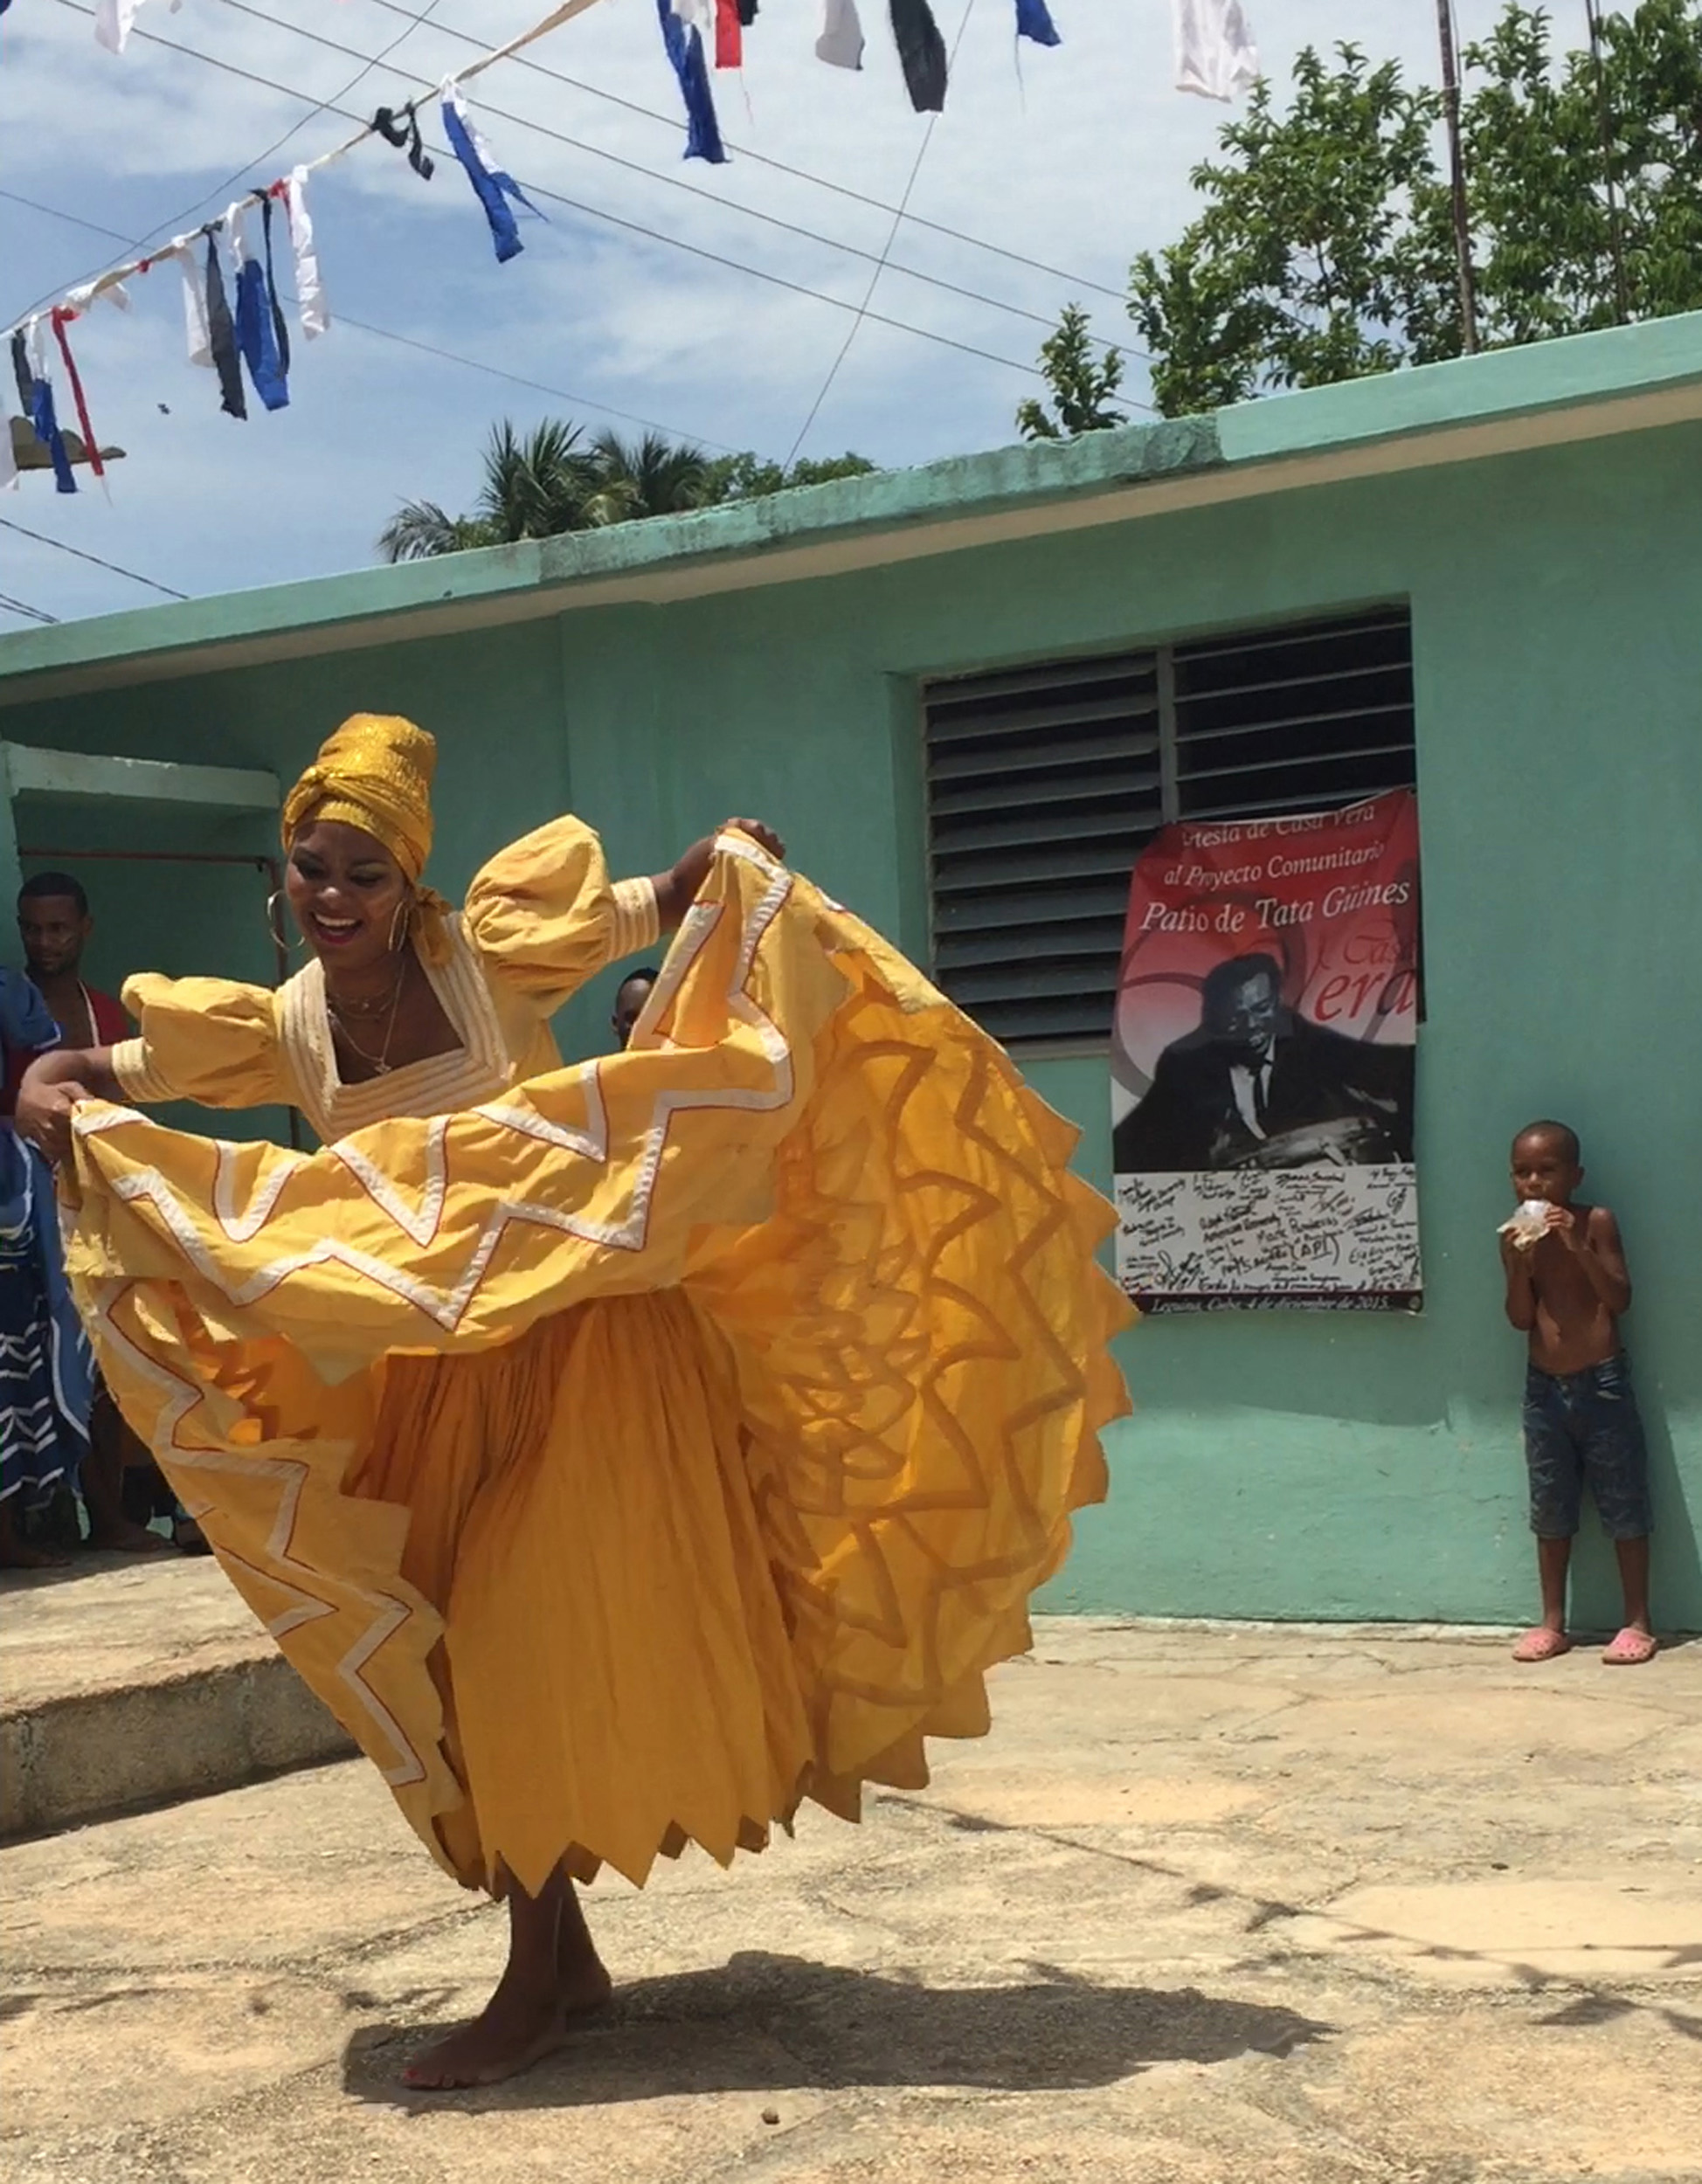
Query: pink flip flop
point(1631, 1648)
point(1543, 1644)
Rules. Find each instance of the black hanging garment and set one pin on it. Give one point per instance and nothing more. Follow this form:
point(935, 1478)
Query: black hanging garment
point(222, 336)
point(921, 53)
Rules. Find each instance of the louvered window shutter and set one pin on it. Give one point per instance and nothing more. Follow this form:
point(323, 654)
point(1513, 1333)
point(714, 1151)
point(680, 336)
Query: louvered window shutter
point(1044, 783)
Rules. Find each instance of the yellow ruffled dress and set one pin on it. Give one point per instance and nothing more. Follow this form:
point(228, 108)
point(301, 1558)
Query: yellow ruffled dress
point(628, 1451)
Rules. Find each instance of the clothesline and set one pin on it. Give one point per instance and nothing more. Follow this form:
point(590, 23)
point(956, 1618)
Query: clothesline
point(78, 301)
point(238, 322)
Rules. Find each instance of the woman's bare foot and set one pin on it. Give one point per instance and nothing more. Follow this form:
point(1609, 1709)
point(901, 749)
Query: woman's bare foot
point(553, 1977)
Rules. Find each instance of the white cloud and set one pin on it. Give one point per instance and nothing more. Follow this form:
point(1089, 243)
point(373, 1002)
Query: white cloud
point(1075, 158)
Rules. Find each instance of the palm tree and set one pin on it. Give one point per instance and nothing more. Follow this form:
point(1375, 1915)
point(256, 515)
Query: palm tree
point(534, 487)
point(547, 482)
point(652, 476)
point(420, 530)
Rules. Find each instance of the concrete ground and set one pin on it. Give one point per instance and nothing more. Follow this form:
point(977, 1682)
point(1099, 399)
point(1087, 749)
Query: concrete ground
point(1230, 1906)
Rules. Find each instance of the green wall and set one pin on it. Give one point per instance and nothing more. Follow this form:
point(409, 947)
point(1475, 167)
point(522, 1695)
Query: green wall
point(1301, 1466)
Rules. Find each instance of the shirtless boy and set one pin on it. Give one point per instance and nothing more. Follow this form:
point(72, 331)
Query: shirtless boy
point(1566, 1292)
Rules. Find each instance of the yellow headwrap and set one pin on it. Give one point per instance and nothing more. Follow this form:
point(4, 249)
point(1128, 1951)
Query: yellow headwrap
point(376, 773)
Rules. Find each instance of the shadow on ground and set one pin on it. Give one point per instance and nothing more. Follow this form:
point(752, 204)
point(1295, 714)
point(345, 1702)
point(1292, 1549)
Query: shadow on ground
point(767, 2022)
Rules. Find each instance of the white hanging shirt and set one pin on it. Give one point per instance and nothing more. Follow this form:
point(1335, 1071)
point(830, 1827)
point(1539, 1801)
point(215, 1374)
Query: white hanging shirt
point(196, 328)
point(1215, 56)
point(113, 19)
point(841, 41)
point(309, 289)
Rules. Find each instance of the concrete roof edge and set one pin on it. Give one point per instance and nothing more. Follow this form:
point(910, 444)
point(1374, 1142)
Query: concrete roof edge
point(1273, 431)
point(1032, 474)
point(1610, 365)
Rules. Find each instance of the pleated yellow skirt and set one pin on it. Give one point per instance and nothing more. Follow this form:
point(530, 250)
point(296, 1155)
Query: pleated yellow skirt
point(678, 1438)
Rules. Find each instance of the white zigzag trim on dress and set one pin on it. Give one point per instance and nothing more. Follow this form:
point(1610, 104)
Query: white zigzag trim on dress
point(422, 1228)
point(181, 1397)
point(447, 1307)
point(243, 1228)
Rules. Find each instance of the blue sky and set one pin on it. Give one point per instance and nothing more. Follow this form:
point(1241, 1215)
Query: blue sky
point(1074, 158)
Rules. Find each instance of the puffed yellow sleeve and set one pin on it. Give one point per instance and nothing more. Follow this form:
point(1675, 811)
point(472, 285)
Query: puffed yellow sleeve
point(206, 1039)
point(545, 918)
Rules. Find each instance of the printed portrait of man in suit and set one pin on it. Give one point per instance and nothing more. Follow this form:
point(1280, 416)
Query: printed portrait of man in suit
point(1257, 1086)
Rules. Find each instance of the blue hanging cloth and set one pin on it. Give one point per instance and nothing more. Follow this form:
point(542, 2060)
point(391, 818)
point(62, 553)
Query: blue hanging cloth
point(35, 392)
point(493, 185)
point(685, 49)
point(1033, 20)
point(257, 332)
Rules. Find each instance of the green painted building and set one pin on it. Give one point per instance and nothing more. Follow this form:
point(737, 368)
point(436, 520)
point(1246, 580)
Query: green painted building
point(965, 694)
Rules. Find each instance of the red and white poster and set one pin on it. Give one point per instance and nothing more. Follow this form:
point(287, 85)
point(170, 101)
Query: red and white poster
point(1261, 1065)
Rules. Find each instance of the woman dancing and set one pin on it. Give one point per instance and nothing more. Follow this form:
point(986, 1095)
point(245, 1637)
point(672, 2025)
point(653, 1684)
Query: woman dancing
point(626, 1452)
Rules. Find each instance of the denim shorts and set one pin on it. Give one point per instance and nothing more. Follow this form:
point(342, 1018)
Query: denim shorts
point(1583, 1429)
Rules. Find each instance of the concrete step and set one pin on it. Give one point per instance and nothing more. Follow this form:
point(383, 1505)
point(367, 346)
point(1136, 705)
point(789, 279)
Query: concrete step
point(126, 1682)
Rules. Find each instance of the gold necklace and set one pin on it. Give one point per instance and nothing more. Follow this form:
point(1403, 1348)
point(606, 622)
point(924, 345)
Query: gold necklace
point(375, 1007)
point(378, 1063)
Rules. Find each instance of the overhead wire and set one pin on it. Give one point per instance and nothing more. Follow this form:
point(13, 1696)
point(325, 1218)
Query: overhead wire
point(212, 195)
point(23, 606)
point(82, 554)
point(674, 182)
point(855, 326)
point(596, 212)
point(429, 349)
point(764, 159)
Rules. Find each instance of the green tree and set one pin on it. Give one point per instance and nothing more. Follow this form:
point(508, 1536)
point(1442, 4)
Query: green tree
point(1083, 385)
point(551, 481)
point(652, 476)
point(1322, 253)
point(1324, 249)
point(533, 488)
point(750, 477)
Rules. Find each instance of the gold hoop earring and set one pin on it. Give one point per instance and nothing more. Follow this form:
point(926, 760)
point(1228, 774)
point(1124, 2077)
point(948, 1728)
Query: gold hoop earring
point(401, 924)
point(280, 941)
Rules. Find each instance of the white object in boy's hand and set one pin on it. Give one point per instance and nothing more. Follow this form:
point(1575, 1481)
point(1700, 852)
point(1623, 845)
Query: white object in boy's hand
point(1529, 1225)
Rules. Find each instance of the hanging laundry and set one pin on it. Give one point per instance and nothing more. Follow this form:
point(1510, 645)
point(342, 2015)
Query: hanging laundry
point(222, 336)
point(685, 49)
point(921, 53)
point(79, 301)
point(60, 319)
point(113, 19)
point(23, 377)
point(256, 318)
point(1034, 21)
point(1214, 53)
point(310, 289)
point(492, 185)
point(21, 373)
point(199, 334)
point(274, 308)
point(403, 130)
point(729, 34)
point(30, 364)
point(841, 41)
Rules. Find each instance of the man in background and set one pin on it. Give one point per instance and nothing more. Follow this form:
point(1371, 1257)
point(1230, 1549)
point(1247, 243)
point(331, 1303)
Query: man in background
point(120, 1486)
point(54, 923)
point(629, 1002)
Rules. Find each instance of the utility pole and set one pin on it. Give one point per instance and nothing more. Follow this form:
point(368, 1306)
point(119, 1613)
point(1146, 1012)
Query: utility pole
point(1451, 110)
point(1616, 242)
